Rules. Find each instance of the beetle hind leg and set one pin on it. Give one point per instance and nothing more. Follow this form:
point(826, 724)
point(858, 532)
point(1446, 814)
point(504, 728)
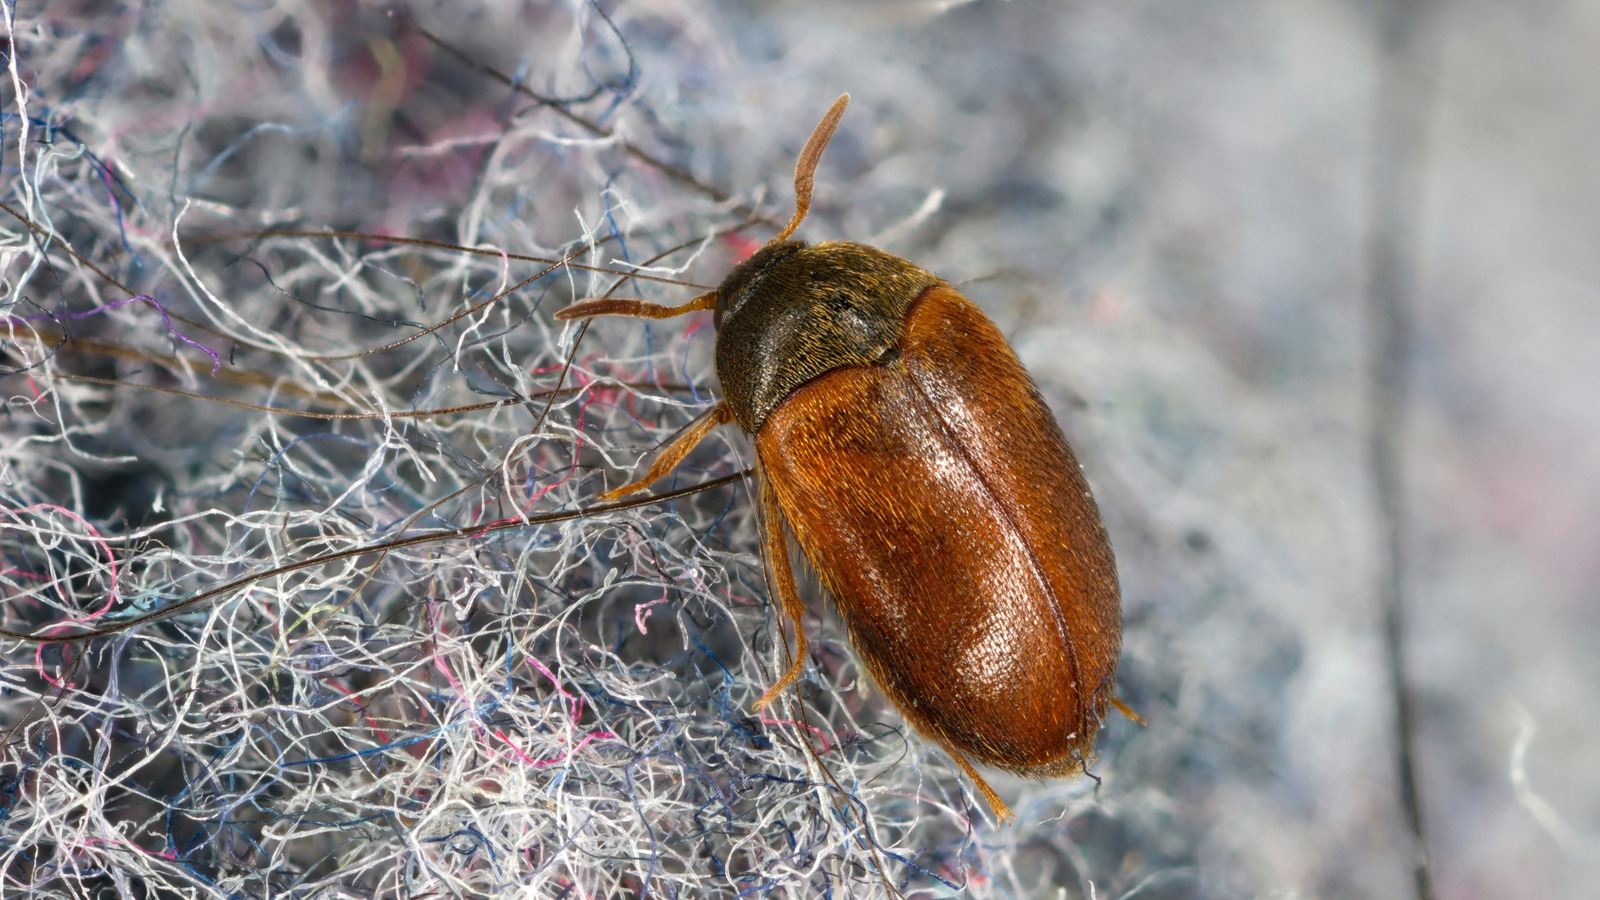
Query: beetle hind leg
point(996, 805)
point(777, 551)
point(1127, 711)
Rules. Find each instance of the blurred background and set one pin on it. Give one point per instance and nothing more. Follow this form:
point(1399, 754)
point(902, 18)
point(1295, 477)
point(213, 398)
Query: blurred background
point(1310, 285)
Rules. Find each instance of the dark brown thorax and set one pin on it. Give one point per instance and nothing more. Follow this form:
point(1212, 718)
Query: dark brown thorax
point(794, 311)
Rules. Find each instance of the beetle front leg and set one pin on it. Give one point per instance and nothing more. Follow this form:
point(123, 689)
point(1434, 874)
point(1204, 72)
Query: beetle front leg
point(783, 583)
point(720, 414)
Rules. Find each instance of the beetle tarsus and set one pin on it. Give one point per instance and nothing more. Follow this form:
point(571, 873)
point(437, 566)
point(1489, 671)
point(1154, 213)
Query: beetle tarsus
point(996, 805)
point(1127, 710)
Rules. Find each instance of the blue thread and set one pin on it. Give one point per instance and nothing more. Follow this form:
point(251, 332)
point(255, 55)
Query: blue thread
point(108, 176)
point(273, 462)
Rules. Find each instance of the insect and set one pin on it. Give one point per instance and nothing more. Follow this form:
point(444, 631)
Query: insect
point(905, 449)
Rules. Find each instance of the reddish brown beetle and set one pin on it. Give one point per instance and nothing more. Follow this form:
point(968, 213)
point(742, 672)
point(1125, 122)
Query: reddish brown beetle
point(910, 456)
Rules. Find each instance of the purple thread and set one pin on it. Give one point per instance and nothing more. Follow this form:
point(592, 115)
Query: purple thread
point(216, 361)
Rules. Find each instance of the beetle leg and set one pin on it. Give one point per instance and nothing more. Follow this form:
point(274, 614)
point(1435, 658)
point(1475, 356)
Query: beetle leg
point(1127, 710)
point(720, 414)
point(998, 806)
point(788, 594)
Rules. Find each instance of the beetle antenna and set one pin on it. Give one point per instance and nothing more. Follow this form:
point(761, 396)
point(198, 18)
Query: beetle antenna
point(805, 169)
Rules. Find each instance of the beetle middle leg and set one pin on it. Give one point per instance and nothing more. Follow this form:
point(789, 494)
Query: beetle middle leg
point(1001, 810)
point(720, 414)
point(783, 582)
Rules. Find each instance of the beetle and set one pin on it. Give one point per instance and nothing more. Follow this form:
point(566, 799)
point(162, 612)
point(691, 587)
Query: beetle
point(905, 450)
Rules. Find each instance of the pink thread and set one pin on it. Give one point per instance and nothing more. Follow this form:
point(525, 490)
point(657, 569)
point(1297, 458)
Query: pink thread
point(642, 609)
point(111, 591)
point(537, 495)
point(743, 247)
point(383, 736)
point(513, 745)
point(577, 701)
point(561, 757)
point(438, 658)
point(826, 744)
